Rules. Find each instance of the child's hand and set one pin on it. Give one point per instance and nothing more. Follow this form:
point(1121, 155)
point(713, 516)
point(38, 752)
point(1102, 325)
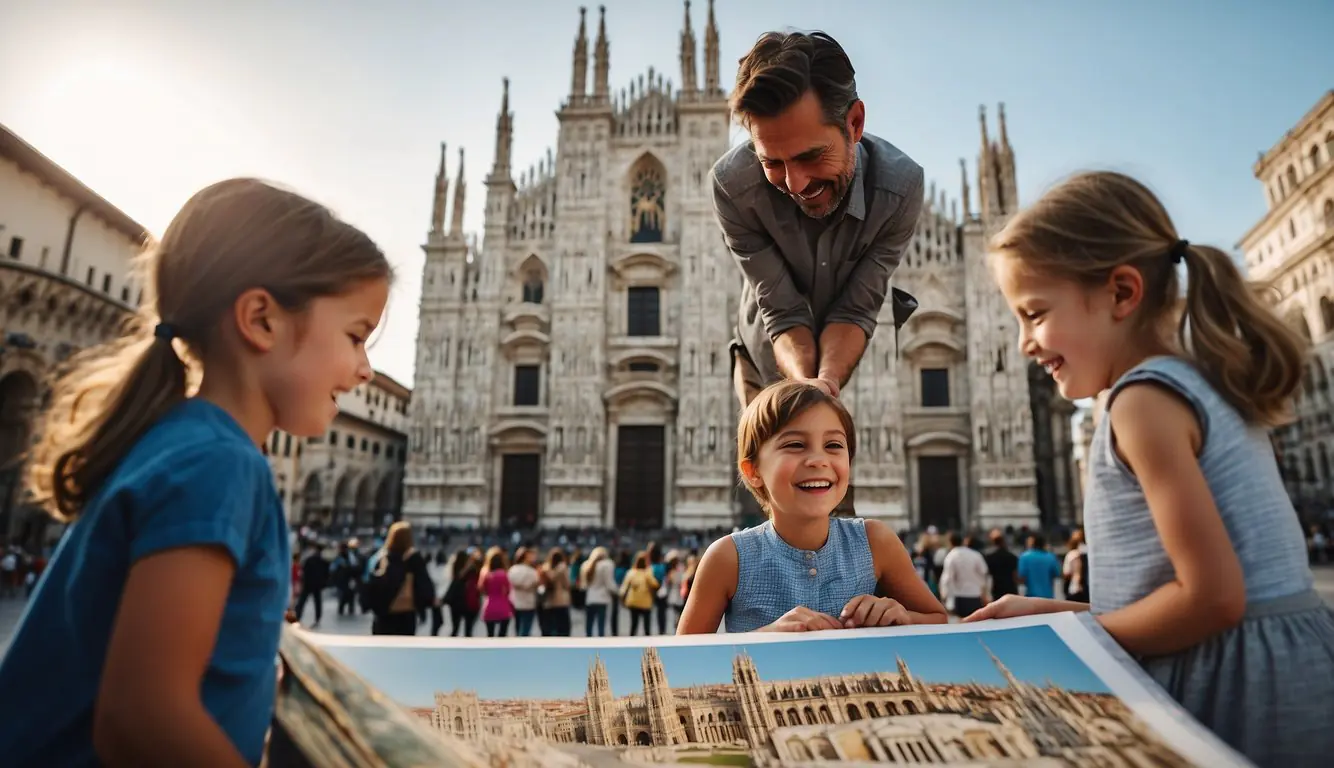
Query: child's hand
point(1010, 606)
point(803, 619)
point(871, 611)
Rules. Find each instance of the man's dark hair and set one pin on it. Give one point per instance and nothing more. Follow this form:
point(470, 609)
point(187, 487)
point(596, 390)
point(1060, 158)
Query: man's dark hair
point(955, 539)
point(782, 66)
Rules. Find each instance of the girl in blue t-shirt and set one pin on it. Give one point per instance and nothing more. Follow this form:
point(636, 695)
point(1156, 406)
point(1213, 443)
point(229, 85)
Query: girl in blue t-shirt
point(152, 636)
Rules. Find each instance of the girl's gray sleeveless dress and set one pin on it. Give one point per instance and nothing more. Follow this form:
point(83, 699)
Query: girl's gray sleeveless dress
point(1265, 686)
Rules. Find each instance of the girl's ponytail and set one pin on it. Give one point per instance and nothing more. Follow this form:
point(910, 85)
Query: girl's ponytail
point(99, 408)
point(1253, 358)
point(1098, 221)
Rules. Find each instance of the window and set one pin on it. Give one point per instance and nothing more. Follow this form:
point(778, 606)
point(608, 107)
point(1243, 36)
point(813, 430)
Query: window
point(333, 437)
point(643, 318)
point(532, 290)
point(106, 283)
point(526, 380)
point(642, 367)
point(935, 387)
point(92, 274)
point(15, 247)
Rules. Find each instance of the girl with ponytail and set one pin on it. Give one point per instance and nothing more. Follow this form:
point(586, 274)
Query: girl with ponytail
point(152, 636)
point(1197, 562)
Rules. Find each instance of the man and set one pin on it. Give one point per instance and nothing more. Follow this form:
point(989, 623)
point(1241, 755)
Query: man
point(1003, 566)
point(963, 578)
point(816, 213)
point(1038, 569)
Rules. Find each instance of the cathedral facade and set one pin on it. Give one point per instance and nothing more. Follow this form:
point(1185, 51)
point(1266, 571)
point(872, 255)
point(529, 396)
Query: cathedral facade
point(575, 370)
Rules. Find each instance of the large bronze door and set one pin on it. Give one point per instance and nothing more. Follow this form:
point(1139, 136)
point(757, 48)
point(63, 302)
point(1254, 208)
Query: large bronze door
point(640, 477)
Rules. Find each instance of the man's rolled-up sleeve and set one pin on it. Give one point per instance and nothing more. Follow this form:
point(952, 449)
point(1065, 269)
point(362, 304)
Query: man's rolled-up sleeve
point(782, 306)
point(864, 292)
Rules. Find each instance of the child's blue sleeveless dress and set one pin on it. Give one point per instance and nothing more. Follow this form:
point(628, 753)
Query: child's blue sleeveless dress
point(773, 577)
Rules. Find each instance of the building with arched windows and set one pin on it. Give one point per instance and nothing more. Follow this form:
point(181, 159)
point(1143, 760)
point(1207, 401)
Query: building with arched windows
point(350, 479)
point(866, 717)
point(576, 370)
point(1292, 246)
point(65, 284)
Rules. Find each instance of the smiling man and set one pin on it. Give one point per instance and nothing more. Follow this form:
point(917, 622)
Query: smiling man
point(816, 213)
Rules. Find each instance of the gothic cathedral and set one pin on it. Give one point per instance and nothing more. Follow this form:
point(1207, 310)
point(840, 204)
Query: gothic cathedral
point(575, 371)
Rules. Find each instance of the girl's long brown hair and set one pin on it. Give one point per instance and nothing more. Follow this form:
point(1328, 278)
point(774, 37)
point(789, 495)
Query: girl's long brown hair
point(1097, 221)
point(228, 238)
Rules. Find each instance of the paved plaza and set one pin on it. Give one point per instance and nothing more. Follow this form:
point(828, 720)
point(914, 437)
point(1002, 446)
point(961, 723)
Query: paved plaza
point(360, 624)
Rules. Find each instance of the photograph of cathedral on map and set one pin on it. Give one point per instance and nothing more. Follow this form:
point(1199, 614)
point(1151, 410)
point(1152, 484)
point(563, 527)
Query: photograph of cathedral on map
point(1016, 696)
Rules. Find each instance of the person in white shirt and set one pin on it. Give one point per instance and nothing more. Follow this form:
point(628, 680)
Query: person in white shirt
point(523, 590)
point(963, 578)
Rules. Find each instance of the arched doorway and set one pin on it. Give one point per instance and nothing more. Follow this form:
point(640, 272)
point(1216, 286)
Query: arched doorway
point(312, 500)
point(384, 498)
point(18, 403)
point(366, 503)
point(343, 502)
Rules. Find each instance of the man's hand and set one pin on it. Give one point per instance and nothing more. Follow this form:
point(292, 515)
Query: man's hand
point(872, 611)
point(824, 385)
point(803, 619)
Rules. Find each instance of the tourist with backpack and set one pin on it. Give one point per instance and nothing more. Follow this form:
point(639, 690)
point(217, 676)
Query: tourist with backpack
point(398, 586)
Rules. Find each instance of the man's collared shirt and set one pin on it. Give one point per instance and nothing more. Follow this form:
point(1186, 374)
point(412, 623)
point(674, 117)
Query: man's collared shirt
point(801, 271)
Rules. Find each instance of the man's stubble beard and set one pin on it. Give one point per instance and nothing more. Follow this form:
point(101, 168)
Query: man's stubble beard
point(842, 185)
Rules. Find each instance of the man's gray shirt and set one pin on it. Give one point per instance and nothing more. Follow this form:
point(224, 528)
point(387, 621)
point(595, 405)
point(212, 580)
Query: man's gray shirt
point(801, 271)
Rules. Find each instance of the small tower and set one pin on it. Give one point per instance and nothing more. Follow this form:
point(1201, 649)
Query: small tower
point(711, 85)
point(579, 79)
point(756, 718)
point(438, 202)
point(688, 70)
point(460, 192)
point(601, 706)
point(602, 67)
point(664, 726)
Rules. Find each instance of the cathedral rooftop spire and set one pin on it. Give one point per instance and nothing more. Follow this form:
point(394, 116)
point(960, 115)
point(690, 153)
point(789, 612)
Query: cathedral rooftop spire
point(688, 70)
point(438, 202)
point(579, 80)
point(711, 54)
point(460, 192)
point(602, 67)
point(504, 133)
point(967, 198)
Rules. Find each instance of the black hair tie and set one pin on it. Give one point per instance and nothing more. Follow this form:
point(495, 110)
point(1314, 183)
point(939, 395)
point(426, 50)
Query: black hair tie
point(1178, 252)
point(164, 331)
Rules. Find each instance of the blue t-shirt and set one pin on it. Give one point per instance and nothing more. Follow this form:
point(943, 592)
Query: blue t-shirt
point(194, 478)
point(1039, 568)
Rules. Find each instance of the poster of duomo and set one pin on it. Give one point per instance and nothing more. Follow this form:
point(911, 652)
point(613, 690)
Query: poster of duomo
point(1038, 691)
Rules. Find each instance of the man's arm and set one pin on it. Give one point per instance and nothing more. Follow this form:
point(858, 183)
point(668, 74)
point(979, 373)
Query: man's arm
point(852, 319)
point(786, 313)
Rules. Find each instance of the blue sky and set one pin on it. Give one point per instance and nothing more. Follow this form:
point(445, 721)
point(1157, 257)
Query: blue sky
point(413, 675)
point(148, 101)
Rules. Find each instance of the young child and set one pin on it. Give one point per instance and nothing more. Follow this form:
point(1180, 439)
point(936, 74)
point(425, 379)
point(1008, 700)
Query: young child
point(1196, 560)
point(152, 637)
point(803, 570)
